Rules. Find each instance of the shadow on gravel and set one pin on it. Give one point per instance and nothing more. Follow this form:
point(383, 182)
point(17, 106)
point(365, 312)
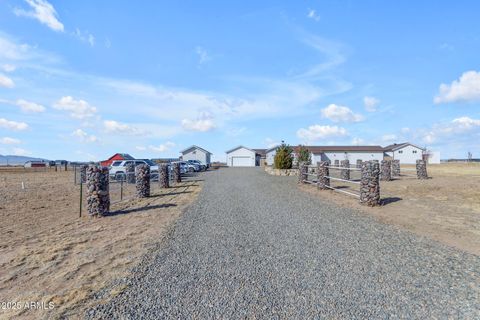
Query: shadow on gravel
point(169, 194)
point(133, 210)
point(385, 201)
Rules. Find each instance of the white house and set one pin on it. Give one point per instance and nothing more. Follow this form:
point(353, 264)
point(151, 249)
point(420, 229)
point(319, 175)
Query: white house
point(196, 153)
point(243, 157)
point(406, 152)
point(335, 154)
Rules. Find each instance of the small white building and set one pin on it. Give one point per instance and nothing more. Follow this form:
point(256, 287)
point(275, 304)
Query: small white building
point(196, 153)
point(242, 157)
point(406, 152)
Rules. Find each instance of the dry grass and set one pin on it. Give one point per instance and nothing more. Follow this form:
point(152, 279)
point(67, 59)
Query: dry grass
point(48, 254)
point(445, 208)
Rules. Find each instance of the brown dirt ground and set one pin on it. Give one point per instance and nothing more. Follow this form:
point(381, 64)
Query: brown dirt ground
point(49, 254)
point(445, 208)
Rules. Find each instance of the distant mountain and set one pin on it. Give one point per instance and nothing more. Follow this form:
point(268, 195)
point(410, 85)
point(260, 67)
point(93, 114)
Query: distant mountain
point(16, 160)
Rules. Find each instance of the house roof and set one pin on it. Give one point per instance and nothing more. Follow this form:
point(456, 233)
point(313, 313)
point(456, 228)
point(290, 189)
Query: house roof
point(125, 156)
point(238, 147)
point(397, 146)
point(194, 147)
point(261, 152)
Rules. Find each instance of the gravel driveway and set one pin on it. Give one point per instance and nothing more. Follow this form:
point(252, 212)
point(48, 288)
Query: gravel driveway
point(255, 246)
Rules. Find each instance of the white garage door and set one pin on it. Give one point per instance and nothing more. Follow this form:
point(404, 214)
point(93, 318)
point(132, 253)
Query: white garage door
point(241, 162)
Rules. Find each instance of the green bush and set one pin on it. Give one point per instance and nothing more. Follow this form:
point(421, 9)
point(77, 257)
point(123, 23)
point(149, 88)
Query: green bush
point(283, 157)
point(303, 155)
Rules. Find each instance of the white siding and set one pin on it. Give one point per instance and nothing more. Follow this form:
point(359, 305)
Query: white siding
point(197, 154)
point(270, 158)
point(352, 156)
point(408, 154)
point(244, 157)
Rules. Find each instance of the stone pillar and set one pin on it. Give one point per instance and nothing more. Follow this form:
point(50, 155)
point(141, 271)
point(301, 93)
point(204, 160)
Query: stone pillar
point(345, 173)
point(177, 177)
point(422, 169)
point(395, 168)
point(130, 173)
point(142, 177)
point(336, 163)
point(386, 170)
point(163, 175)
point(322, 174)
point(83, 173)
point(370, 184)
point(302, 172)
point(98, 196)
point(359, 164)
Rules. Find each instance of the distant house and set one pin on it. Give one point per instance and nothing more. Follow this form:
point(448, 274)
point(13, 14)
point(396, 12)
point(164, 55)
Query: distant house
point(245, 157)
point(35, 164)
point(197, 153)
point(406, 152)
point(116, 156)
point(335, 154)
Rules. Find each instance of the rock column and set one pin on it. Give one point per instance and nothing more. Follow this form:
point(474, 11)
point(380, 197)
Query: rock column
point(302, 172)
point(345, 173)
point(422, 169)
point(395, 168)
point(336, 163)
point(386, 169)
point(370, 184)
point(130, 173)
point(322, 173)
point(98, 197)
point(163, 176)
point(359, 164)
point(177, 177)
point(142, 176)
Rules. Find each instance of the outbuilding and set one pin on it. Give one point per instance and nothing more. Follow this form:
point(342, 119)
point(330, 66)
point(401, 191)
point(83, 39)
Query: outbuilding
point(116, 156)
point(406, 152)
point(196, 153)
point(242, 157)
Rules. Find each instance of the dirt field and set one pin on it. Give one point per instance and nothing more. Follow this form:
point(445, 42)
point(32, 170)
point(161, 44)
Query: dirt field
point(445, 208)
point(49, 254)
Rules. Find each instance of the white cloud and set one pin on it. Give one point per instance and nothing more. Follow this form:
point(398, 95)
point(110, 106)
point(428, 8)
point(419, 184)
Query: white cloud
point(85, 36)
point(203, 56)
point(141, 148)
point(8, 140)
point(42, 11)
point(112, 126)
point(84, 137)
point(318, 132)
point(389, 137)
point(467, 88)
point(20, 152)
point(6, 81)
point(13, 125)
point(270, 143)
point(371, 103)
point(27, 106)
point(340, 114)
point(358, 141)
point(79, 109)
point(8, 67)
point(405, 130)
point(202, 124)
point(162, 147)
point(312, 14)
point(449, 132)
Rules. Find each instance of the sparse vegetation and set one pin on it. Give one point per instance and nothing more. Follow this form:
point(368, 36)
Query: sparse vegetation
point(303, 155)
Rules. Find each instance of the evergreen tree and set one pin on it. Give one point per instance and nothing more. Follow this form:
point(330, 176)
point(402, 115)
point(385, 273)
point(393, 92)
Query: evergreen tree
point(283, 157)
point(303, 155)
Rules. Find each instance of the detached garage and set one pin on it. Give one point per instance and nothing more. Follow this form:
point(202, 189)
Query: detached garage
point(241, 157)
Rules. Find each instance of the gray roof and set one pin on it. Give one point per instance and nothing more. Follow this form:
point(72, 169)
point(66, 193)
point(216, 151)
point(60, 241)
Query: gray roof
point(397, 146)
point(194, 147)
point(238, 147)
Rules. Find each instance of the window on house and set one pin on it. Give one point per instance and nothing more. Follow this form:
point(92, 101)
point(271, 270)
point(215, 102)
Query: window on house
point(414, 151)
point(401, 151)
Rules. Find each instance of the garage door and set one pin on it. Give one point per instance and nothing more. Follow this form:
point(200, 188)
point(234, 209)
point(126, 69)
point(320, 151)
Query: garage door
point(241, 162)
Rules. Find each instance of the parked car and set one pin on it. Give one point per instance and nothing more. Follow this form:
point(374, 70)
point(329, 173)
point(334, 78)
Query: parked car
point(118, 168)
point(183, 167)
point(202, 167)
point(191, 167)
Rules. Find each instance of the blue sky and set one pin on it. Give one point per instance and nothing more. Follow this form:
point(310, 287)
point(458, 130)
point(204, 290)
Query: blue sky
point(81, 80)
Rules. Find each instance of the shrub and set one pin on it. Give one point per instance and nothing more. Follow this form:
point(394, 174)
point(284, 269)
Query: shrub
point(283, 157)
point(303, 155)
